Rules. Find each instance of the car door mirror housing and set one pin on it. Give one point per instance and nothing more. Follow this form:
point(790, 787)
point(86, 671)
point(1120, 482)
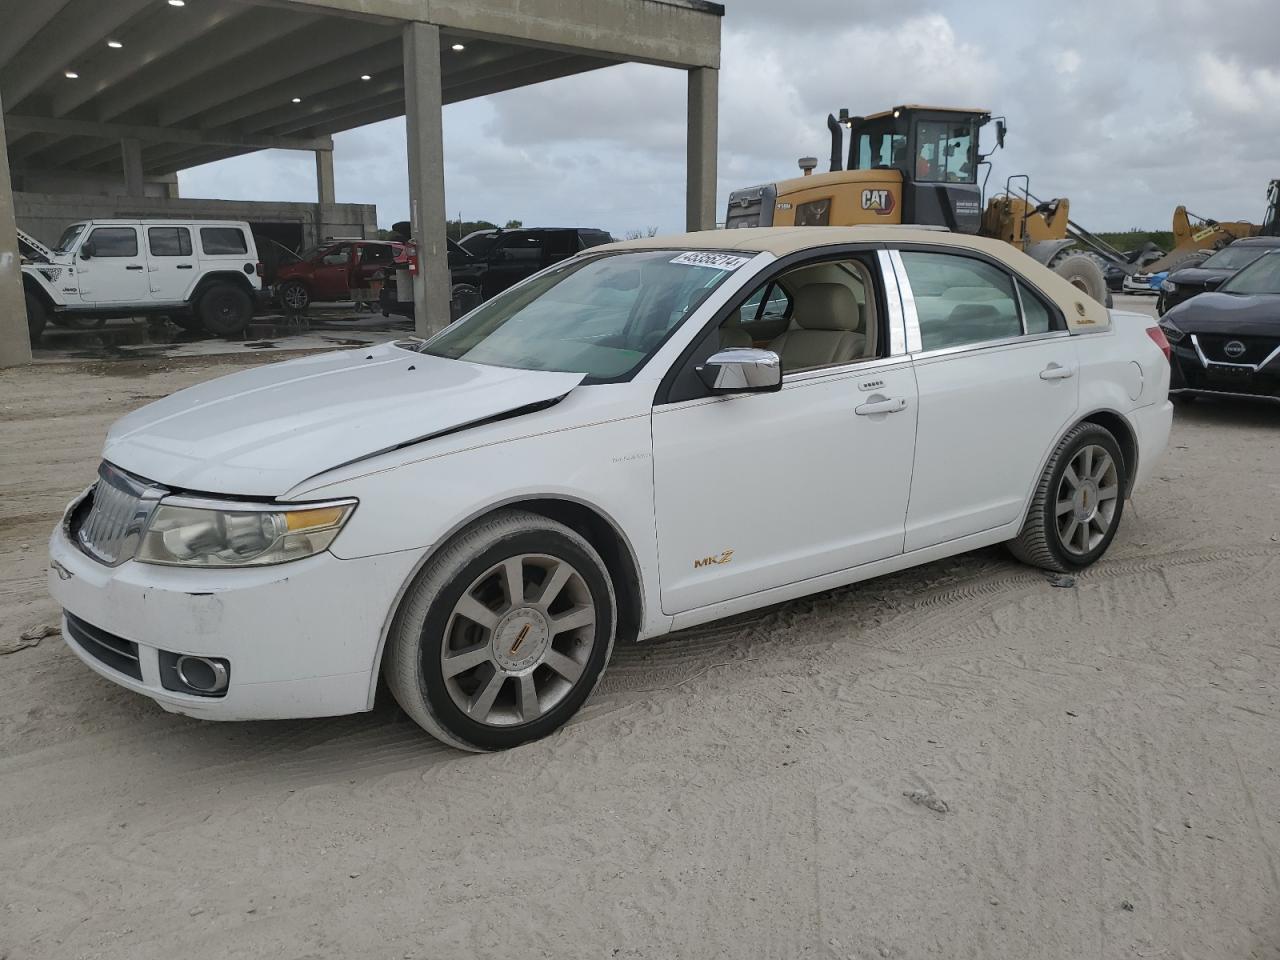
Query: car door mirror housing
point(742, 370)
point(1213, 282)
point(86, 250)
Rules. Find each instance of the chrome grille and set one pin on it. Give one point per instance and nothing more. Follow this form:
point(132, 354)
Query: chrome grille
point(120, 505)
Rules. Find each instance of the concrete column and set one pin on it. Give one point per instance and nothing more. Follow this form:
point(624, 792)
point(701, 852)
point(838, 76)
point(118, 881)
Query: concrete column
point(15, 341)
point(131, 156)
point(700, 180)
point(425, 138)
point(324, 178)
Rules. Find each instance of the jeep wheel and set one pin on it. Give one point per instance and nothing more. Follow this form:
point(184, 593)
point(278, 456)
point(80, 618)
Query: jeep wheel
point(225, 310)
point(504, 634)
point(37, 316)
point(294, 296)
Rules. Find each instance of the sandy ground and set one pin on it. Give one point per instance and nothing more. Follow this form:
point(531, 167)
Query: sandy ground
point(1098, 763)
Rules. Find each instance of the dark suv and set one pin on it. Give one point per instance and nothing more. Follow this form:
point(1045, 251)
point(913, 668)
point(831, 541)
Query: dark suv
point(488, 262)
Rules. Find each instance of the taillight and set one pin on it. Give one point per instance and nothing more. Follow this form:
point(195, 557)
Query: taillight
point(1160, 340)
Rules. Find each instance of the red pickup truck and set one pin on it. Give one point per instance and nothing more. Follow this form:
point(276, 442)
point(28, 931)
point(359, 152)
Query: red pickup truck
point(336, 270)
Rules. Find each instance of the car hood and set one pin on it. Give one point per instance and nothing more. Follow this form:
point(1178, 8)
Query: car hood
point(1198, 276)
point(1252, 315)
point(263, 431)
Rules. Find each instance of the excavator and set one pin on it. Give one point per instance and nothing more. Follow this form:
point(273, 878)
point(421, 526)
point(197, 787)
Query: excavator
point(1196, 238)
point(916, 164)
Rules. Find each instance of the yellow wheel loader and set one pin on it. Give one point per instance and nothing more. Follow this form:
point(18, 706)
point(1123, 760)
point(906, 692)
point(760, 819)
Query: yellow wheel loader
point(917, 164)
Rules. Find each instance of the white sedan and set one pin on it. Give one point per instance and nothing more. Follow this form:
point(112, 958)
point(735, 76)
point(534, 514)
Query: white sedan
point(649, 436)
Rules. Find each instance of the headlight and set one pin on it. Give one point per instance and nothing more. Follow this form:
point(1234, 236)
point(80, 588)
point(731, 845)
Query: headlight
point(1168, 286)
point(1171, 333)
point(207, 535)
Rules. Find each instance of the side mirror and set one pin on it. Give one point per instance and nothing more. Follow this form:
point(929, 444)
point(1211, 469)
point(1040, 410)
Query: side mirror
point(742, 370)
point(86, 250)
point(1001, 129)
point(1211, 283)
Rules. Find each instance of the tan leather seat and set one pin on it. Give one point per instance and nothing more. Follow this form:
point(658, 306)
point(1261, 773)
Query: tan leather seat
point(732, 335)
point(827, 328)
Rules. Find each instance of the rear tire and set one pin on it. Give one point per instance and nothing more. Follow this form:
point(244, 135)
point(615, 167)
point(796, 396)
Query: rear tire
point(1071, 524)
point(294, 296)
point(1083, 271)
point(480, 670)
point(37, 317)
point(225, 310)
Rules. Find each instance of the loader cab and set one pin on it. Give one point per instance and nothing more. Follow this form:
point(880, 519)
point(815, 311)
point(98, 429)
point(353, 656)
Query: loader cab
point(935, 150)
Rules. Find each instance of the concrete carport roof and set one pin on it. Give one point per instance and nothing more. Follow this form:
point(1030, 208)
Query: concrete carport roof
point(161, 85)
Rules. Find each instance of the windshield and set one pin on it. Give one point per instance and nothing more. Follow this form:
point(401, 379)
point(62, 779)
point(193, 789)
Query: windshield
point(68, 238)
point(1233, 258)
point(1261, 276)
point(478, 244)
point(603, 316)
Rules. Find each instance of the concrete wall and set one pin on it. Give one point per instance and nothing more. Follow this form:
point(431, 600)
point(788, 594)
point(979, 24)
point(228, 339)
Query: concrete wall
point(44, 215)
point(88, 184)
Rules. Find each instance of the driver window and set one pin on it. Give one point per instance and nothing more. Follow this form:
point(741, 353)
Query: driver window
point(818, 315)
point(337, 256)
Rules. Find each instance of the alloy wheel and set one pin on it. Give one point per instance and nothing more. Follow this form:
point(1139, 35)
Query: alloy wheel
point(518, 640)
point(1087, 497)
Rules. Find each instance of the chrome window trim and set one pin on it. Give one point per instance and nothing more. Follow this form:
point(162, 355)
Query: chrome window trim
point(893, 300)
point(1017, 296)
point(1208, 364)
point(842, 369)
point(991, 345)
point(910, 316)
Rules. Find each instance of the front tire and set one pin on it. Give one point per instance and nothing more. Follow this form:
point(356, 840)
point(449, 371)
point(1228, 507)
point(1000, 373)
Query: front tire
point(225, 310)
point(504, 634)
point(1078, 502)
point(1083, 271)
point(294, 296)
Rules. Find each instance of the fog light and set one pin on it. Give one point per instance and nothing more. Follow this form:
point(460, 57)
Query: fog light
point(200, 676)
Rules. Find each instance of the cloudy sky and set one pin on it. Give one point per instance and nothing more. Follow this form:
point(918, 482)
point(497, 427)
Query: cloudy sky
point(1128, 107)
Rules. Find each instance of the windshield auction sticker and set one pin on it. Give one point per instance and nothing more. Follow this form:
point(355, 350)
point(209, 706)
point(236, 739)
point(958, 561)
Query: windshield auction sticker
point(708, 258)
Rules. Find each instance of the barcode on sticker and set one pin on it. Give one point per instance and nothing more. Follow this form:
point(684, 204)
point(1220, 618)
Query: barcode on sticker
point(707, 258)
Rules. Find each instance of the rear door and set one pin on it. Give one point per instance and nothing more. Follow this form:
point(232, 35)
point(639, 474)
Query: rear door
point(372, 258)
point(996, 372)
point(116, 270)
point(171, 262)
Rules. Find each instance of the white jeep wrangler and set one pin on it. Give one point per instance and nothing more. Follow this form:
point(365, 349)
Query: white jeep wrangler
point(202, 274)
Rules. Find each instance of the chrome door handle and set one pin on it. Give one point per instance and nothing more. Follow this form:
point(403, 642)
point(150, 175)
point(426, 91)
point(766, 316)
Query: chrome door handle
point(882, 405)
point(1055, 372)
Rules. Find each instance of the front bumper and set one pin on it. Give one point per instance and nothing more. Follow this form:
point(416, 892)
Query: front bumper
point(1193, 372)
point(302, 638)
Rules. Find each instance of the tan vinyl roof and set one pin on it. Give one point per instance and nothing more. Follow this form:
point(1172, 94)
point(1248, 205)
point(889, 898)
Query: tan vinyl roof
point(783, 240)
point(1083, 313)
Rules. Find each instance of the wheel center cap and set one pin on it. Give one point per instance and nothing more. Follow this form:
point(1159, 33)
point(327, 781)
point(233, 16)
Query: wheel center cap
point(1085, 501)
point(520, 639)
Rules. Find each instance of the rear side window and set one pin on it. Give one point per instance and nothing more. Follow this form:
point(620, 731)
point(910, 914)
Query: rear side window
point(960, 300)
point(222, 240)
point(169, 241)
point(375, 253)
point(594, 238)
point(1036, 314)
point(114, 242)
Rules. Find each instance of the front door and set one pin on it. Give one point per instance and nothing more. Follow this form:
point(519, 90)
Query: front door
point(116, 269)
point(516, 255)
point(331, 277)
point(171, 263)
point(755, 491)
point(996, 370)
